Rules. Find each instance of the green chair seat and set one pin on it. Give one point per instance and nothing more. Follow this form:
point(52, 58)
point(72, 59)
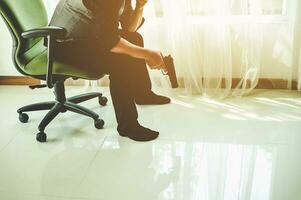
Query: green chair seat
point(36, 67)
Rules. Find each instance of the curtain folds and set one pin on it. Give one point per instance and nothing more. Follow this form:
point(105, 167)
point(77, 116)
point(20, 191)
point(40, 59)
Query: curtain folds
point(223, 48)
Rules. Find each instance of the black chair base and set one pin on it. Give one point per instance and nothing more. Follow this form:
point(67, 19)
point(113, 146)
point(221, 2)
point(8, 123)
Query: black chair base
point(61, 105)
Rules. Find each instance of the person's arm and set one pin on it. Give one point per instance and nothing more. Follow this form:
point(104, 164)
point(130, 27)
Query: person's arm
point(153, 58)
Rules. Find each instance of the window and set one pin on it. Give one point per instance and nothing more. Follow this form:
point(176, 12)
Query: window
point(230, 7)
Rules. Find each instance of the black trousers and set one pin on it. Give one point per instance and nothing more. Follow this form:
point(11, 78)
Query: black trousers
point(129, 77)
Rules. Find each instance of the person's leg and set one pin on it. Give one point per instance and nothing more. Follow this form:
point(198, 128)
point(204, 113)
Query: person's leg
point(120, 69)
point(87, 56)
point(122, 84)
point(143, 87)
point(140, 73)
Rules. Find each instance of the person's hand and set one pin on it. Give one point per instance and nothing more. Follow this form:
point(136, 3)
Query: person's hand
point(140, 3)
point(155, 60)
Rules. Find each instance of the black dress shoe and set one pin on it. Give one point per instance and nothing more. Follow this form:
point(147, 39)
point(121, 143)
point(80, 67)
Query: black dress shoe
point(152, 99)
point(138, 133)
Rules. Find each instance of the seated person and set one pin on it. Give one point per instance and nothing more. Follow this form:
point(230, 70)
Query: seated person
point(95, 40)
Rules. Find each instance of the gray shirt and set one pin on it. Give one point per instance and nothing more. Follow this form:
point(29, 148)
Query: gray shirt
point(99, 21)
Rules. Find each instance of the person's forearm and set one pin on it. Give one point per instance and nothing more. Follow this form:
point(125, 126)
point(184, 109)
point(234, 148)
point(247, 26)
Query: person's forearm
point(136, 20)
point(152, 58)
point(127, 48)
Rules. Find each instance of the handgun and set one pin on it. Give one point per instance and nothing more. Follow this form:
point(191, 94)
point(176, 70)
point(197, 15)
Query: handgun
point(170, 71)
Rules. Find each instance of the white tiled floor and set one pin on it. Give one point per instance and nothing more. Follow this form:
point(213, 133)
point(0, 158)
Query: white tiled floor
point(244, 148)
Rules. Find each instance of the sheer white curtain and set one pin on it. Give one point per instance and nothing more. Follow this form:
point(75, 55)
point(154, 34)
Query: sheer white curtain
point(223, 44)
point(222, 47)
point(297, 43)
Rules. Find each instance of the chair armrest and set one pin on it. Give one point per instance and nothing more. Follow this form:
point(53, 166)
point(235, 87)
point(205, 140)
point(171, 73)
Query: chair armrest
point(52, 31)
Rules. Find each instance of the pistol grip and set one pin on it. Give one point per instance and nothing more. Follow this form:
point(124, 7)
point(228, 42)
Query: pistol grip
point(171, 72)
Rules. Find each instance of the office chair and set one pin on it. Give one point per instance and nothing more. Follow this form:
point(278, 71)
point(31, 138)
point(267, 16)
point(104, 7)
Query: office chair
point(27, 22)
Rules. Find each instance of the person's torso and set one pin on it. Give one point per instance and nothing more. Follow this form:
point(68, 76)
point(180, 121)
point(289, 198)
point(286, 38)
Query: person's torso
point(77, 19)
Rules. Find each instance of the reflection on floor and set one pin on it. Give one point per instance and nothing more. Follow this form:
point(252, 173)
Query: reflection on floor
point(236, 149)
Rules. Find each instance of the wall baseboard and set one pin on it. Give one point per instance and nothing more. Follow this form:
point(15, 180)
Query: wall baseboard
point(268, 83)
point(18, 80)
point(263, 83)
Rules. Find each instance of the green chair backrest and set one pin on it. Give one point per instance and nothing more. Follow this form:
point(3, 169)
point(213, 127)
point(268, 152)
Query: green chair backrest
point(22, 15)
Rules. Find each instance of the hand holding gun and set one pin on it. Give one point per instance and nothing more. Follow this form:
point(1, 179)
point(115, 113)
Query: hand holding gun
point(170, 71)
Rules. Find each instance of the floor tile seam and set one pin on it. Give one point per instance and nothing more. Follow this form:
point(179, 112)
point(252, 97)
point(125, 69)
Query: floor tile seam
point(91, 162)
point(8, 143)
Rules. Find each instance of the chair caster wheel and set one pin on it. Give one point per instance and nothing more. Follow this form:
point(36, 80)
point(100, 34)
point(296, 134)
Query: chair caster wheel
point(99, 123)
point(103, 101)
point(23, 117)
point(41, 137)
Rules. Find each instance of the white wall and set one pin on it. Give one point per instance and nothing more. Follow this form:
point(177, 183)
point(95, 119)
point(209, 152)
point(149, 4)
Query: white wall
point(6, 65)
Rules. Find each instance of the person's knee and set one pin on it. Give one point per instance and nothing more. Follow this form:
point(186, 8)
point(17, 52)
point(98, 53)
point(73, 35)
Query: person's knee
point(140, 39)
point(137, 39)
point(134, 37)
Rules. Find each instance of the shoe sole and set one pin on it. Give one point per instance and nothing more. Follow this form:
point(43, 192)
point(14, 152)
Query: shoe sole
point(152, 104)
point(139, 140)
